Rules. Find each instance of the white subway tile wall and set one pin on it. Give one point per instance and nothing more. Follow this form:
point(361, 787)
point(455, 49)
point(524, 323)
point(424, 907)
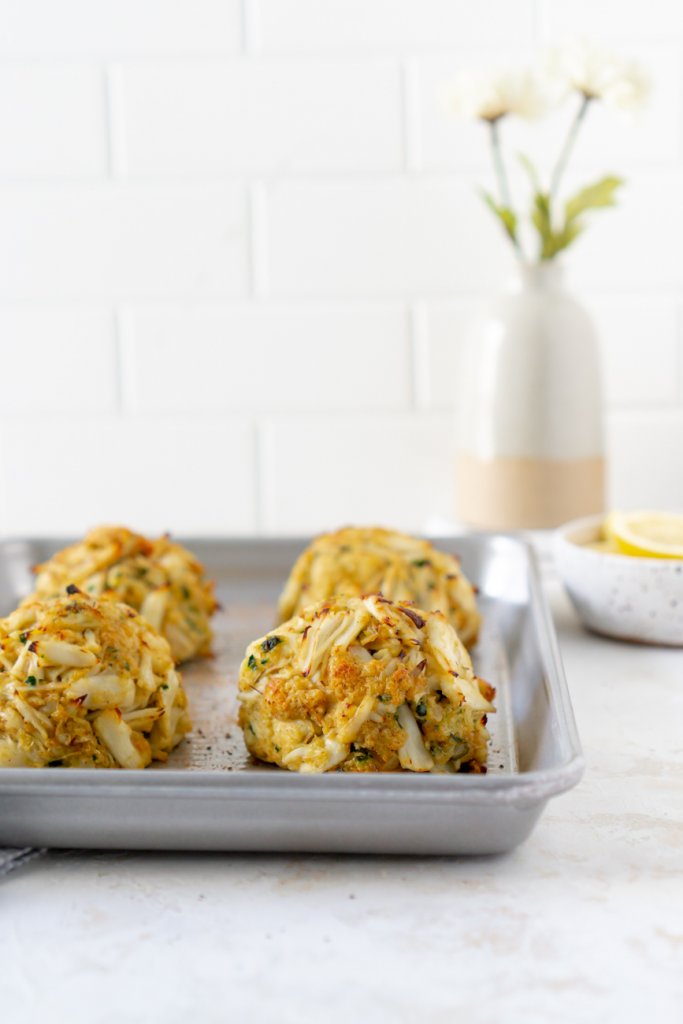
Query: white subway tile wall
point(58, 359)
point(120, 28)
point(241, 242)
point(382, 468)
point(111, 241)
point(400, 236)
point(315, 115)
point(195, 474)
point(305, 26)
point(266, 358)
point(52, 121)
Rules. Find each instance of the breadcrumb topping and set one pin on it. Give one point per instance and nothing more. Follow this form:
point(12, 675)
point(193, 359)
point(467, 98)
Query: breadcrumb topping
point(160, 579)
point(368, 560)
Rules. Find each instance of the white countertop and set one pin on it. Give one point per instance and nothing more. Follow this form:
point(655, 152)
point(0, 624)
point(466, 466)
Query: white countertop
point(584, 922)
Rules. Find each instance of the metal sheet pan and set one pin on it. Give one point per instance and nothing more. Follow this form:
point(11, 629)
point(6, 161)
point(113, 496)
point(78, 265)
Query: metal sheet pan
point(212, 796)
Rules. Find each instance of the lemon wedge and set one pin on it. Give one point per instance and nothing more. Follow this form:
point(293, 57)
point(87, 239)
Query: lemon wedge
point(646, 534)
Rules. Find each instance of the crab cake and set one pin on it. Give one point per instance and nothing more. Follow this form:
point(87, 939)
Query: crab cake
point(160, 579)
point(370, 560)
point(364, 684)
point(86, 683)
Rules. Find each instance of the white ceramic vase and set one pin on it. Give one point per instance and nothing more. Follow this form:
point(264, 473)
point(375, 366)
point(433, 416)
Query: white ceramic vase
point(530, 432)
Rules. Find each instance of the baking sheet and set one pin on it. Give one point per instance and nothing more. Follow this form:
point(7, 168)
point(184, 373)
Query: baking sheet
point(212, 795)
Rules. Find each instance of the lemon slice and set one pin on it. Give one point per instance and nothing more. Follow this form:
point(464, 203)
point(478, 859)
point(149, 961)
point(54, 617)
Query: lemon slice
point(646, 534)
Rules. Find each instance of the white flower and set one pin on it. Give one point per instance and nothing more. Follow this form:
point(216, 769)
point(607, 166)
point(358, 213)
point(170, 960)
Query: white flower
point(488, 96)
point(630, 89)
point(599, 74)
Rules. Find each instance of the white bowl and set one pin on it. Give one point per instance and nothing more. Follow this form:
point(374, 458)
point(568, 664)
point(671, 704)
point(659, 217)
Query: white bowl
point(638, 599)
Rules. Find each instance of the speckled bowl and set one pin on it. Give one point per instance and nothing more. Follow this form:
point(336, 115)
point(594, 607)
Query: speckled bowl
point(638, 599)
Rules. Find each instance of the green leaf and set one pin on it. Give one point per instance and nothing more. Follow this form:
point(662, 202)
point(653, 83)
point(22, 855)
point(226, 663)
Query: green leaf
point(564, 238)
point(540, 218)
point(506, 216)
point(593, 197)
point(542, 211)
point(531, 171)
point(553, 240)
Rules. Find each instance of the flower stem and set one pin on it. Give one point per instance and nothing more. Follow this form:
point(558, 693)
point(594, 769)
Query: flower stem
point(569, 142)
point(501, 175)
point(498, 164)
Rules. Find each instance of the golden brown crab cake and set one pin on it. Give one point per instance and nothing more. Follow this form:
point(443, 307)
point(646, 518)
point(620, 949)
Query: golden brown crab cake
point(160, 579)
point(364, 684)
point(369, 560)
point(86, 683)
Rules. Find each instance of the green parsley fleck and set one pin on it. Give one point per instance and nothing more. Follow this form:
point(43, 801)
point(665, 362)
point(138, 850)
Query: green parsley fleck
point(31, 680)
point(420, 563)
point(23, 637)
point(421, 709)
point(361, 754)
point(164, 686)
point(270, 642)
point(251, 662)
point(384, 698)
